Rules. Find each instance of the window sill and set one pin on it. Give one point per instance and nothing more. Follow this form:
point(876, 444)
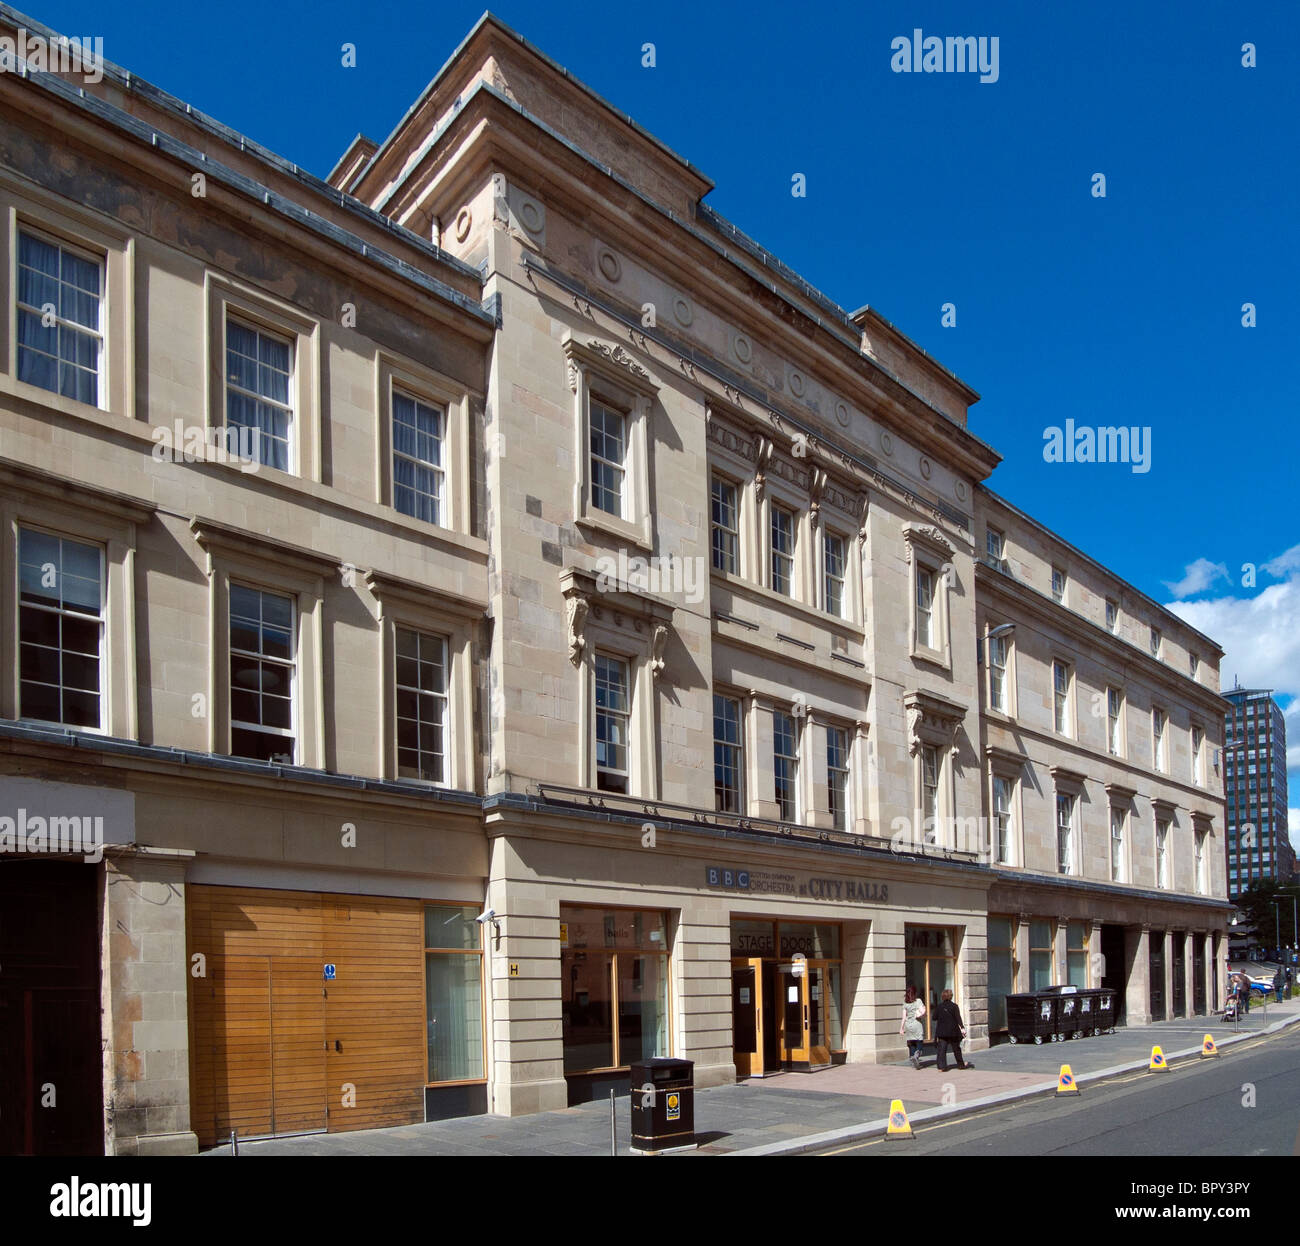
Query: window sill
point(931, 657)
point(621, 529)
point(760, 592)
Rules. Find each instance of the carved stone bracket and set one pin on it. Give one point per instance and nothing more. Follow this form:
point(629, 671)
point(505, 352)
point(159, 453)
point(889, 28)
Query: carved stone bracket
point(658, 642)
point(578, 607)
point(931, 719)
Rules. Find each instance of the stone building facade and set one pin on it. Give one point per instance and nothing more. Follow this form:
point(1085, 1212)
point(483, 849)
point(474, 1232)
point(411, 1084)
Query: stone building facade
point(568, 637)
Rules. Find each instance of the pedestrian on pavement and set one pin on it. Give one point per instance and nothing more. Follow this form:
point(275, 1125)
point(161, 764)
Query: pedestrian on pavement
point(911, 1028)
point(1243, 994)
point(1278, 983)
point(949, 1030)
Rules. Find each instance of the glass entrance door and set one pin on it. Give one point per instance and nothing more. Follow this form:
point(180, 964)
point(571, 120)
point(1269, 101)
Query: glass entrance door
point(747, 1016)
point(793, 1013)
point(820, 1019)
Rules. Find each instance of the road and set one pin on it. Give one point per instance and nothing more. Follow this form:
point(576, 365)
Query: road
point(1247, 1102)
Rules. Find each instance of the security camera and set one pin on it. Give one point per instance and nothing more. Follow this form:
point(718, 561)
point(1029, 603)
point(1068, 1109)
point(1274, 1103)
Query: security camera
point(486, 916)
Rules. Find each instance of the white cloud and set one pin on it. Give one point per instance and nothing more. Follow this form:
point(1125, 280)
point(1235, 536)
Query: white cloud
point(1260, 635)
point(1293, 823)
point(1199, 576)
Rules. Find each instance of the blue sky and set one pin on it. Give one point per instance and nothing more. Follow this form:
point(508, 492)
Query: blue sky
point(925, 189)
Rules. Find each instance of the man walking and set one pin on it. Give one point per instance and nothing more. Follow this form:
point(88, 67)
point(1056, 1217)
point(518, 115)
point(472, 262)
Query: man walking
point(949, 1030)
point(1278, 983)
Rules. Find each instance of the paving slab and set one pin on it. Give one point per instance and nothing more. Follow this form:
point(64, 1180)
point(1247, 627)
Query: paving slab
point(794, 1112)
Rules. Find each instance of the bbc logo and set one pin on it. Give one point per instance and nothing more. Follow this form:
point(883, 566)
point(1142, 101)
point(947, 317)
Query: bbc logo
point(718, 877)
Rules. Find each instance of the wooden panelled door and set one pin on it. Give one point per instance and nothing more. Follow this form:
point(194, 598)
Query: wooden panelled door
point(804, 1037)
point(747, 1016)
point(275, 1047)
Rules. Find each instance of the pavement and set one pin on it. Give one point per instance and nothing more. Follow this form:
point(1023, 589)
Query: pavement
point(799, 1112)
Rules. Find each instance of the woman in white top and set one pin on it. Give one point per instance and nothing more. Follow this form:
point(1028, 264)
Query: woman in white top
point(911, 1029)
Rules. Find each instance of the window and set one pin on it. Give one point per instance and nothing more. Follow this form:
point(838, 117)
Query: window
point(608, 433)
point(612, 717)
point(1076, 955)
point(1201, 887)
point(1117, 819)
point(1112, 615)
point(930, 771)
point(925, 607)
point(725, 527)
point(1115, 721)
point(728, 771)
point(833, 578)
point(453, 975)
point(785, 764)
point(1002, 793)
point(837, 776)
point(419, 478)
point(1040, 955)
point(1158, 739)
point(1065, 833)
point(782, 550)
point(61, 630)
point(1194, 663)
point(998, 673)
point(259, 390)
point(1155, 642)
point(65, 287)
point(1061, 697)
point(1162, 854)
point(1198, 740)
point(262, 668)
point(995, 544)
point(1058, 585)
point(421, 706)
point(614, 970)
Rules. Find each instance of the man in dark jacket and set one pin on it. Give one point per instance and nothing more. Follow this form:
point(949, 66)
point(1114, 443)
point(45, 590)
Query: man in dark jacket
point(948, 1033)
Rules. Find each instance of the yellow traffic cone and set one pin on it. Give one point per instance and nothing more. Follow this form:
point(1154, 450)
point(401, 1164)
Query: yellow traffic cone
point(899, 1127)
point(1157, 1064)
point(1208, 1047)
point(1065, 1083)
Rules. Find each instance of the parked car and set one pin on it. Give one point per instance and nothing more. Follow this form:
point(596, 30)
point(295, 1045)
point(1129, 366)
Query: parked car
point(1263, 984)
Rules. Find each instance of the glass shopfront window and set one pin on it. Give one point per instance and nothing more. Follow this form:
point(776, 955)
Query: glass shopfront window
point(1001, 945)
point(614, 980)
point(453, 976)
point(1040, 955)
point(1076, 955)
point(930, 965)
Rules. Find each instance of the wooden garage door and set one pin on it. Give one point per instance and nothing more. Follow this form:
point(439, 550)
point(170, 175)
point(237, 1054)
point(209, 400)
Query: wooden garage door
point(275, 1048)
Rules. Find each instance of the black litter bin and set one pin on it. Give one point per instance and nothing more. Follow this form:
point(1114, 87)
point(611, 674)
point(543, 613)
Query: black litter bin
point(663, 1104)
point(1107, 1005)
point(1087, 1013)
point(1068, 1014)
point(1031, 1017)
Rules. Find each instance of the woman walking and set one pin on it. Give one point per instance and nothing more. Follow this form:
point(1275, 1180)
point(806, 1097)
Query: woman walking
point(911, 1029)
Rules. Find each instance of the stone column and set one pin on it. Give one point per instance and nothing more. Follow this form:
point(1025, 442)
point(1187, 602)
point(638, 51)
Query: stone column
point(1137, 997)
point(878, 999)
point(974, 983)
point(1189, 971)
point(1020, 967)
point(146, 1013)
point(522, 947)
point(701, 995)
point(1169, 976)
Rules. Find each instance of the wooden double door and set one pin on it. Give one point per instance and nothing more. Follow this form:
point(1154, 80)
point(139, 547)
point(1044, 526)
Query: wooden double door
point(779, 1015)
point(278, 1047)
